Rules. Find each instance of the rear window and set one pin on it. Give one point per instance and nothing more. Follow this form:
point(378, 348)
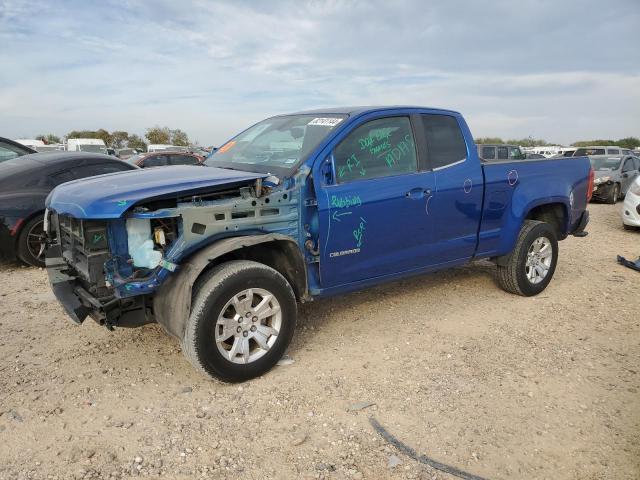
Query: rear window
point(445, 143)
point(488, 153)
point(581, 152)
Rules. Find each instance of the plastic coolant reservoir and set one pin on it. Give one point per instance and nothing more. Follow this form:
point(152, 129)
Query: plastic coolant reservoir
point(140, 243)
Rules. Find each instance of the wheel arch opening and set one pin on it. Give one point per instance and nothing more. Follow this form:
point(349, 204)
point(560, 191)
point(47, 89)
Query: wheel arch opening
point(555, 214)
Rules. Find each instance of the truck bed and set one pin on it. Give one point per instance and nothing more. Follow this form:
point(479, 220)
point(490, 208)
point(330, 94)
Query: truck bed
point(514, 188)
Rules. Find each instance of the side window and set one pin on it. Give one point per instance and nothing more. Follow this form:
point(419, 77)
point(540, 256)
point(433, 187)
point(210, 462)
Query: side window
point(155, 161)
point(637, 161)
point(379, 148)
point(182, 160)
point(515, 153)
point(445, 143)
point(614, 151)
point(7, 152)
point(628, 165)
point(488, 153)
point(503, 153)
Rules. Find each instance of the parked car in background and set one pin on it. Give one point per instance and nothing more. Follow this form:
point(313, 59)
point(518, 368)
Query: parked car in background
point(10, 149)
point(534, 156)
point(24, 185)
point(566, 152)
point(95, 145)
point(163, 159)
point(631, 207)
point(125, 153)
point(597, 150)
point(298, 207)
point(613, 176)
point(50, 147)
point(111, 151)
point(499, 152)
point(166, 148)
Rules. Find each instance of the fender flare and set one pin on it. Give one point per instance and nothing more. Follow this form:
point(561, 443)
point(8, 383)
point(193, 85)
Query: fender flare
point(172, 301)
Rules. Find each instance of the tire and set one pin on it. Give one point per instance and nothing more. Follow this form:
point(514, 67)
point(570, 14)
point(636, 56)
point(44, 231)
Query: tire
point(220, 315)
point(516, 275)
point(614, 195)
point(27, 248)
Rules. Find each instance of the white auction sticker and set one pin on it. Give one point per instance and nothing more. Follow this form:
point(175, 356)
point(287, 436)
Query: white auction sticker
point(326, 122)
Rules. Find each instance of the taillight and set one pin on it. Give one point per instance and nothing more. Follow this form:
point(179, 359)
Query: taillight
point(590, 184)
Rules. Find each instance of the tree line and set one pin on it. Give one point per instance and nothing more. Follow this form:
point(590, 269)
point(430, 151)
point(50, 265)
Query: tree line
point(628, 142)
point(123, 139)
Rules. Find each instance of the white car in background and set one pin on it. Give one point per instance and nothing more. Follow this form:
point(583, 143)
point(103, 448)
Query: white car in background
point(631, 207)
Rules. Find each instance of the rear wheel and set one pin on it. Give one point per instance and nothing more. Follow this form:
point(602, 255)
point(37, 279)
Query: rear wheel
point(242, 320)
point(30, 242)
point(532, 262)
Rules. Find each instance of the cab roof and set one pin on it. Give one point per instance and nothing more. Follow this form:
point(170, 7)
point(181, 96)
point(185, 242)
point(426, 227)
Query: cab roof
point(366, 109)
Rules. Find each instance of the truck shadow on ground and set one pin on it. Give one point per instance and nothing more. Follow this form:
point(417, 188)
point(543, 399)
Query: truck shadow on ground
point(321, 314)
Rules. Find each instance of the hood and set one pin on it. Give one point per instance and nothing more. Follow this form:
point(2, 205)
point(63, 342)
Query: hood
point(109, 196)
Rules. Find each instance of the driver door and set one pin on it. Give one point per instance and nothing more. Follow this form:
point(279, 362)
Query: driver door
point(373, 215)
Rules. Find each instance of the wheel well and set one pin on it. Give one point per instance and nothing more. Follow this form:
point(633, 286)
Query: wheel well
point(281, 255)
point(555, 214)
point(26, 220)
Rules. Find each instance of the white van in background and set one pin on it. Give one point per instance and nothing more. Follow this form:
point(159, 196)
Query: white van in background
point(158, 147)
point(86, 145)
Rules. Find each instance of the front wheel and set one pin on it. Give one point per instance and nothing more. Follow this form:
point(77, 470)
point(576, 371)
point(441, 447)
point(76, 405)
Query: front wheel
point(614, 195)
point(30, 245)
point(531, 264)
point(242, 320)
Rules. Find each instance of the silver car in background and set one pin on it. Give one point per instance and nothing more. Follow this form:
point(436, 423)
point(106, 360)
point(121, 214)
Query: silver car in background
point(613, 176)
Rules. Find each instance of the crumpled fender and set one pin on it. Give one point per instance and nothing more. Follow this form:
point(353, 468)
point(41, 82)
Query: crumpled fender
point(172, 301)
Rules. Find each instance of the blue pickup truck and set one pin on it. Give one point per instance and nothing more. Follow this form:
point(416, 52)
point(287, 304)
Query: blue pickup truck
point(298, 207)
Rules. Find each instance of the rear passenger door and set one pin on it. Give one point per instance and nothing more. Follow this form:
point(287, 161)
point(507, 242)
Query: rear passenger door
point(455, 207)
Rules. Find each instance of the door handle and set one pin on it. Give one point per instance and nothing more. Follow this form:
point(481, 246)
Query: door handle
point(417, 193)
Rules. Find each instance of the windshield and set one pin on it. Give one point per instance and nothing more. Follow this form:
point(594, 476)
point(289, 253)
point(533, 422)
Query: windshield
point(275, 145)
point(611, 163)
point(93, 148)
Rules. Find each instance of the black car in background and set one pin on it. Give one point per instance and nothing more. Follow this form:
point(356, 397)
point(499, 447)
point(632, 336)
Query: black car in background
point(25, 183)
point(10, 149)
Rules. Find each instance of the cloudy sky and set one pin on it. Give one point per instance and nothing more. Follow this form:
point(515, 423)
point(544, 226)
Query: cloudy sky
point(560, 70)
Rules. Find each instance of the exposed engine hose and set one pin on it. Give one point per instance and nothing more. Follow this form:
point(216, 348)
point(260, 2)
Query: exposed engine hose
point(411, 453)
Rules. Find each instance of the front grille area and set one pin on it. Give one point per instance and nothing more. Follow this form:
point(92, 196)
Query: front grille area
point(85, 247)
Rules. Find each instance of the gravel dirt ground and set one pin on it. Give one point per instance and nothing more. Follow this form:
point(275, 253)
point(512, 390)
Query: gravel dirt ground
point(494, 384)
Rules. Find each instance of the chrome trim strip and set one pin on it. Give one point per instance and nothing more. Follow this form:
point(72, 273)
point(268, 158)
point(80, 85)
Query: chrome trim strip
point(450, 165)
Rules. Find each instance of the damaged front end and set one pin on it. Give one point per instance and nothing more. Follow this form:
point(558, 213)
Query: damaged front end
point(110, 268)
